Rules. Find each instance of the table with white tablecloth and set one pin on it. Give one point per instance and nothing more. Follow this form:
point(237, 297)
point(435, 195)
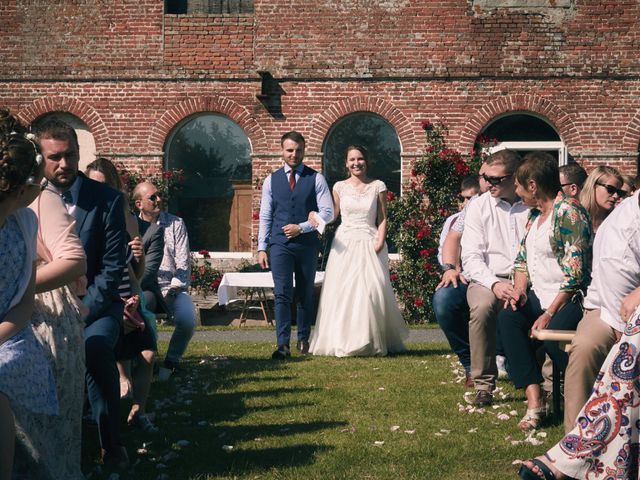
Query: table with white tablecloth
point(252, 283)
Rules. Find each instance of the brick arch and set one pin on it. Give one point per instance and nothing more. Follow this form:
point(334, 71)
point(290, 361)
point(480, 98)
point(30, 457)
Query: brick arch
point(631, 138)
point(322, 124)
point(519, 102)
point(214, 104)
point(74, 106)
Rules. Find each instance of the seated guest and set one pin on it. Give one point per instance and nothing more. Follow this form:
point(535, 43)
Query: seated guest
point(604, 441)
point(174, 274)
point(612, 296)
point(551, 274)
point(572, 178)
point(494, 226)
point(600, 192)
point(138, 340)
point(628, 187)
point(450, 298)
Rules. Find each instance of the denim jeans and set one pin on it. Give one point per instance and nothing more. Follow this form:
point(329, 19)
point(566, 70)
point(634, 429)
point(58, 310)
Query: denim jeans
point(184, 318)
point(452, 314)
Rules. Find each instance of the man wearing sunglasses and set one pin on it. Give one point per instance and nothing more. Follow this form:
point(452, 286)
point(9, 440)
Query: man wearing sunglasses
point(494, 226)
point(572, 178)
point(174, 274)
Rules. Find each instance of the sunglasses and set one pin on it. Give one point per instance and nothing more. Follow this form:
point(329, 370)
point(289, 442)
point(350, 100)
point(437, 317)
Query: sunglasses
point(154, 197)
point(462, 198)
point(493, 181)
point(42, 185)
point(611, 190)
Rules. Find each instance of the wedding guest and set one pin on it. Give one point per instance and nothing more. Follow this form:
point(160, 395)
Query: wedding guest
point(572, 178)
point(551, 275)
point(613, 294)
point(603, 444)
point(26, 378)
point(368, 321)
point(628, 187)
point(50, 446)
point(494, 226)
point(450, 298)
point(100, 223)
point(138, 340)
point(600, 193)
point(288, 195)
point(174, 274)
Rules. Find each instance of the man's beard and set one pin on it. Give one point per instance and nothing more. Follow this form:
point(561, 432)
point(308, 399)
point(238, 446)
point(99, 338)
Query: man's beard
point(62, 184)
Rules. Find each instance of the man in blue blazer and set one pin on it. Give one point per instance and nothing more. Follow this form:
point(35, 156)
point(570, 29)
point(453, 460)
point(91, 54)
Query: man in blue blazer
point(288, 195)
point(100, 223)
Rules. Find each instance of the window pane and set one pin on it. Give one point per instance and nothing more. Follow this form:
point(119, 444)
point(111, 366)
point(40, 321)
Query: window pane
point(214, 153)
point(377, 136)
point(520, 128)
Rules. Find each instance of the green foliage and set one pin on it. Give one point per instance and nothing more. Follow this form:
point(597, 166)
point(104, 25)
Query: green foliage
point(205, 279)
point(416, 220)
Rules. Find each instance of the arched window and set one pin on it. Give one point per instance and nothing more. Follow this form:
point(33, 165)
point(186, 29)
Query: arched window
point(375, 134)
point(85, 137)
point(215, 203)
point(526, 132)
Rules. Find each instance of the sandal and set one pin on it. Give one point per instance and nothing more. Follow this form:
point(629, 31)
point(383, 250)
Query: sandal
point(532, 419)
point(528, 474)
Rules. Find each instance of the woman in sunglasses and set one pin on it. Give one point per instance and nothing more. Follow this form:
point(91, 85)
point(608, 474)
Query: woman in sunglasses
point(551, 274)
point(601, 191)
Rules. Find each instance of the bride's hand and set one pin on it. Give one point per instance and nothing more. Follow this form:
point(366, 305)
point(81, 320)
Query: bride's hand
point(378, 245)
point(313, 219)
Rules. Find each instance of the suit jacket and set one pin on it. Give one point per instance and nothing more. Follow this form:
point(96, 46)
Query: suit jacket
point(100, 224)
point(153, 243)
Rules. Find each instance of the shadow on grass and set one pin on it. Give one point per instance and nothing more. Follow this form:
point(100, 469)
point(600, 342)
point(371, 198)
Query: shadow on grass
point(425, 352)
point(240, 432)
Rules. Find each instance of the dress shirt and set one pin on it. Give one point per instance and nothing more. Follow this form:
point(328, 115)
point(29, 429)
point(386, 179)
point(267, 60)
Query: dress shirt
point(459, 225)
point(323, 199)
point(616, 262)
point(75, 193)
point(492, 233)
point(175, 269)
point(448, 224)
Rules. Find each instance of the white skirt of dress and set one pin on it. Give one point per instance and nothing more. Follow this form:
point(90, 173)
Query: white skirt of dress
point(358, 314)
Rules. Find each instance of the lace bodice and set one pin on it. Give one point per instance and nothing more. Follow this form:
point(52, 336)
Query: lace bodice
point(358, 208)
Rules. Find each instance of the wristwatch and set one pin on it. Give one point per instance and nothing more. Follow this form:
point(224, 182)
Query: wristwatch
point(448, 266)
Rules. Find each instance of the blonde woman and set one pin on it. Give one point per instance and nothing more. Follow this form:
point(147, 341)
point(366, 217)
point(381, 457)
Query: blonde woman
point(601, 191)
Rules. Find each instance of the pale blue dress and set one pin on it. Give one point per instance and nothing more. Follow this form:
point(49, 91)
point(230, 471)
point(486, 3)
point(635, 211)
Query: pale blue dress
point(26, 377)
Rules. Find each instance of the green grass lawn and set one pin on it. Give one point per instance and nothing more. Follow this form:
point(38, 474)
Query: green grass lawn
point(245, 416)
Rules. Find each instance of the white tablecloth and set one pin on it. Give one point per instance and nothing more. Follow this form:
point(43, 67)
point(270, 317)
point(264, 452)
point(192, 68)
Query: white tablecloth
point(231, 282)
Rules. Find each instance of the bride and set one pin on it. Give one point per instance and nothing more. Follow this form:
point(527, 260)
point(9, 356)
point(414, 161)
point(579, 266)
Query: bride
point(358, 313)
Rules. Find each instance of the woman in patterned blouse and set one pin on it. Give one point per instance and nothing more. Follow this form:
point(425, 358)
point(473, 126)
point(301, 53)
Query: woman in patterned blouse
point(551, 274)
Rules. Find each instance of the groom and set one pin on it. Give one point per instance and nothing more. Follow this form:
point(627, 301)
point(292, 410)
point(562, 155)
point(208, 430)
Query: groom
point(288, 195)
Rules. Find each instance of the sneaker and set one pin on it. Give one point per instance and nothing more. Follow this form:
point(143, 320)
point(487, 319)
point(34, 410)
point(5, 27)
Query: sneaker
point(501, 362)
point(483, 398)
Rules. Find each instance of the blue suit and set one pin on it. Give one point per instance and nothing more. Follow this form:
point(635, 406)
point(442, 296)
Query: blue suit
point(298, 255)
point(100, 224)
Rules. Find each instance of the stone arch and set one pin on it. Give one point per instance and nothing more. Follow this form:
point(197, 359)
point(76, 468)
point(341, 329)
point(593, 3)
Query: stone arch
point(322, 124)
point(519, 102)
point(214, 104)
point(74, 106)
point(631, 138)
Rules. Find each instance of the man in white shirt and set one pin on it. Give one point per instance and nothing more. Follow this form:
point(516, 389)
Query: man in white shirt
point(612, 297)
point(494, 226)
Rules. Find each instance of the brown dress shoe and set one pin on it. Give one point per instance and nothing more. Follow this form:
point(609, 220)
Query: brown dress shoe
point(483, 398)
point(282, 353)
point(115, 458)
point(303, 346)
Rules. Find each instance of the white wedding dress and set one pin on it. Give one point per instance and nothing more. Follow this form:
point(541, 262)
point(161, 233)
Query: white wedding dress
point(358, 314)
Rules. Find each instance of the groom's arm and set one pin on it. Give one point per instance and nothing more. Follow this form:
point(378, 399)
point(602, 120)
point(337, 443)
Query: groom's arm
point(325, 204)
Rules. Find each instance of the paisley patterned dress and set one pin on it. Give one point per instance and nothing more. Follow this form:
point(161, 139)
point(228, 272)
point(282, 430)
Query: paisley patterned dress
point(604, 444)
point(26, 378)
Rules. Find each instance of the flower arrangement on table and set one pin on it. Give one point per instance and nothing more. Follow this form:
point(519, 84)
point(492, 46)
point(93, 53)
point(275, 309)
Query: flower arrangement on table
point(416, 219)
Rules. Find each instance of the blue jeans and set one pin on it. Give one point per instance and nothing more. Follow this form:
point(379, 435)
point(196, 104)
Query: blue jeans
point(452, 314)
point(184, 318)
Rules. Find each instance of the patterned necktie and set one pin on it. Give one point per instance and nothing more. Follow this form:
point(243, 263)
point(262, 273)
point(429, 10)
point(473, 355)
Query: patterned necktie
point(292, 179)
point(67, 197)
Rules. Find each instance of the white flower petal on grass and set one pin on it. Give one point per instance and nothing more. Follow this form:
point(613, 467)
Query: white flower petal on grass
point(542, 434)
point(410, 432)
point(473, 430)
point(503, 416)
point(495, 407)
point(227, 448)
point(257, 439)
point(395, 428)
point(515, 442)
point(438, 434)
point(378, 443)
point(381, 388)
point(376, 368)
point(513, 413)
point(202, 361)
point(348, 430)
point(445, 431)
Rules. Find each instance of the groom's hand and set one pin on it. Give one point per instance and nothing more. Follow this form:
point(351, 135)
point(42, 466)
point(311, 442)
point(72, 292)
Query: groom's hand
point(263, 260)
point(292, 230)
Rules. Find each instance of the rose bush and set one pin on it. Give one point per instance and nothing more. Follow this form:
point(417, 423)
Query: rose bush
point(205, 279)
point(416, 219)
